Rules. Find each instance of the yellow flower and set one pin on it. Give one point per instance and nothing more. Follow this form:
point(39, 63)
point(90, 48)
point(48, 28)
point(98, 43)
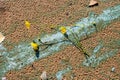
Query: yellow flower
point(63, 30)
point(27, 24)
point(34, 45)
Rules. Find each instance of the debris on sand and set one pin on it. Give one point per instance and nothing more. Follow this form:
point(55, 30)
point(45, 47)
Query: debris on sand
point(93, 3)
point(113, 69)
point(4, 78)
point(44, 76)
point(1, 37)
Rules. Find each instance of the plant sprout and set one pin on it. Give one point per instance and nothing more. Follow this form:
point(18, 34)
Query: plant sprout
point(77, 44)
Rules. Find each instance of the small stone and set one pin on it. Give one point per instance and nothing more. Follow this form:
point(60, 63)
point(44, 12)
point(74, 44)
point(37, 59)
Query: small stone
point(4, 78)
point(44, 75)
point(113, 69)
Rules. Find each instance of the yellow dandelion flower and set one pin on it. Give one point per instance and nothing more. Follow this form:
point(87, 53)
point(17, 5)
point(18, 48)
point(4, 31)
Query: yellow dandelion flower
point(63, 30)
point(34, 45)
point(27, 24)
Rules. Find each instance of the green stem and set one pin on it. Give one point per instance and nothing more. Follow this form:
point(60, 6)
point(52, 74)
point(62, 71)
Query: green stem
point(78, 45)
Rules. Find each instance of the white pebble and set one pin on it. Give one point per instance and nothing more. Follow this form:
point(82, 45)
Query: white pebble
point(113, 69)
point(4, 78)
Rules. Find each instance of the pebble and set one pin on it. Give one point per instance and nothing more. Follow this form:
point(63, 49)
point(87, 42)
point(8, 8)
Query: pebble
point(113, 69)
point(4, 78)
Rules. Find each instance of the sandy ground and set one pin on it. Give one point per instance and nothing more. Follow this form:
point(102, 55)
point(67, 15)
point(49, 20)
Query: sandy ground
point(44, 13)
point(71, 56)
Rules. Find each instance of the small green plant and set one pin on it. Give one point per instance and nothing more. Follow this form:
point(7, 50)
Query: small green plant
point(76, 43)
